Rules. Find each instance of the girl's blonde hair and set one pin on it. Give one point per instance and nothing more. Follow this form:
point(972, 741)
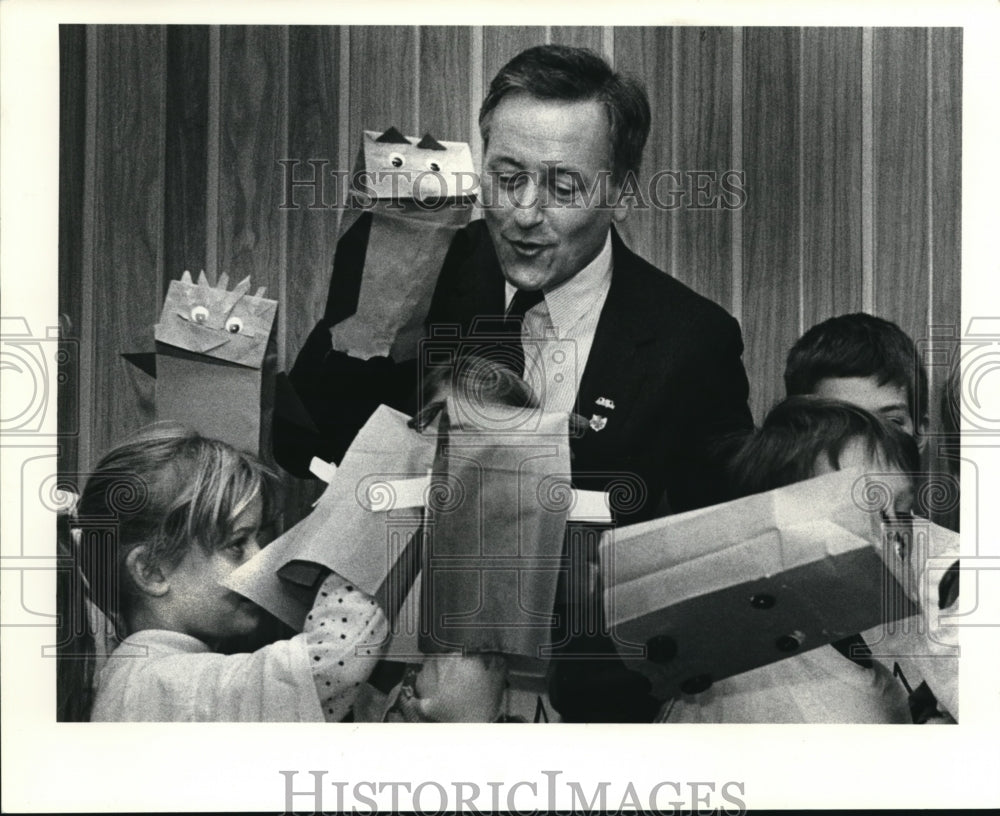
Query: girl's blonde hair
point(166, 488)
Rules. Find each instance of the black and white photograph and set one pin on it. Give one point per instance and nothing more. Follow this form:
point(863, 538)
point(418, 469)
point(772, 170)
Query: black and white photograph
point(453, 414)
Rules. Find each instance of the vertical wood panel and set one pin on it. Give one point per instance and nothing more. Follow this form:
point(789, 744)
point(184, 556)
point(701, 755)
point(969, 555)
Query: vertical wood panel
point(383, 80)
point(445, 83)
point(501, 43)
point(647, 54)
point(251, 135)
point(946, 154)
point(867, 170)
point(702, 255)
point(831, 163)
point(72, 124)
point(771, 241)
point(314, 122)
point(314, 119)
point(186, 160)
point(736, 236)
point(901, 183)
point(582, 36)
point(128, 223)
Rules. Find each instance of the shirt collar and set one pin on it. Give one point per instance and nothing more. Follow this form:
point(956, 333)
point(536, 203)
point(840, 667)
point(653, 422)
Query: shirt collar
point(574, 297)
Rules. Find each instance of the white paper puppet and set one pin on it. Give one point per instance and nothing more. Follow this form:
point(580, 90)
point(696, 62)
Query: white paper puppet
point(701, 596)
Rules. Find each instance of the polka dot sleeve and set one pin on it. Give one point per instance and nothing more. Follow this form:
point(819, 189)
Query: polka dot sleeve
point(346, 634)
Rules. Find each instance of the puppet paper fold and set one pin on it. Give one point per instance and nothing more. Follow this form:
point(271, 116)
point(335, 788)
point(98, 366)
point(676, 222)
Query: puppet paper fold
point(715, 592)
point(352, 529)
point(409, 197)
point(494, 537)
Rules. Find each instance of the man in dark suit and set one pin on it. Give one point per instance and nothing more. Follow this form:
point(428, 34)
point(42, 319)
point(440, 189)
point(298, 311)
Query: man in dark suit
point(657, 371)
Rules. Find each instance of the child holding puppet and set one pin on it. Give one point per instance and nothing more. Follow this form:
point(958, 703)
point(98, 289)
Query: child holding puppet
point(162, 521)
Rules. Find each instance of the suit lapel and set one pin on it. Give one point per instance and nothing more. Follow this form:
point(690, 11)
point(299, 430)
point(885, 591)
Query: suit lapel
point(616, 361)
point(480, 290)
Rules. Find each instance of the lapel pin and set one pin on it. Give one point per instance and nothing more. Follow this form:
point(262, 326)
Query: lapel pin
point(597, 422)
point(604, 402)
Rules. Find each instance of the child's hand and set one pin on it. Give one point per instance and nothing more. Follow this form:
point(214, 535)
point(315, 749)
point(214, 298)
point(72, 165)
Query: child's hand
point(451, 688)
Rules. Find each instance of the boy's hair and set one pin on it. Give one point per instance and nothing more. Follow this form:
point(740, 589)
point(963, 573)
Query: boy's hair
point(165, 488)
point(570, 74)
point(801, 431)
point(858, 345)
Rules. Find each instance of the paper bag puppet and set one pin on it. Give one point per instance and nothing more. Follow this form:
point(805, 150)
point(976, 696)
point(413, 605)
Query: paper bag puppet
point(494, 533)
point(214, 360)
point(704, 595)
point(409, 197)
point(363, 527)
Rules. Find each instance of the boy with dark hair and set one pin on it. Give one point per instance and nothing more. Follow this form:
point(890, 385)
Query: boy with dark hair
point(864, 360)
point(872, 363)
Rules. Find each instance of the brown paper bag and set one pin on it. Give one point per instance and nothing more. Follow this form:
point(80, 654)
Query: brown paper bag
point(215, 361)
point(409, 198)
point(700, 596)
point(494, 535)
point(357, 528)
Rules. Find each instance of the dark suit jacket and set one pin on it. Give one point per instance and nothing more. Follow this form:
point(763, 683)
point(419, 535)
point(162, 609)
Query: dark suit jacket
point(668, 358)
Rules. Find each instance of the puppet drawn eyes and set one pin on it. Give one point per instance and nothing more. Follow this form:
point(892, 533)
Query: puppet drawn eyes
point(199, 314)
point(434, 167)
point(395, 160)
point(234, 325)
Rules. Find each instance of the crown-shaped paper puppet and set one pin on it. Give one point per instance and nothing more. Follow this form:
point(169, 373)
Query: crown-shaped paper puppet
point(409, 197)
point(221, 323)
point(214, 361)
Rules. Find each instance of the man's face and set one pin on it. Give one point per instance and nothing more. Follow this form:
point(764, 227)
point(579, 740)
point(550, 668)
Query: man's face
point(886, 401)
point(539, 153)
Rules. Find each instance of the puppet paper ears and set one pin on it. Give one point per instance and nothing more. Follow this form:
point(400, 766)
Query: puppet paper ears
point(393, 136)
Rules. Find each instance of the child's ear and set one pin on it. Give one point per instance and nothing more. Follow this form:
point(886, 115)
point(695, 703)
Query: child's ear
point(147, 575)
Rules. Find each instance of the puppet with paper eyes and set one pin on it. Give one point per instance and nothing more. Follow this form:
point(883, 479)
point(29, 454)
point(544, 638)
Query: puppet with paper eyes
point(409, 197)
point(214, 360)
point(211, 320)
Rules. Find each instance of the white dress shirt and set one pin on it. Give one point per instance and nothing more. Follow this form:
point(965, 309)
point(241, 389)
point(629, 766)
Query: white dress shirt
point(559, 332)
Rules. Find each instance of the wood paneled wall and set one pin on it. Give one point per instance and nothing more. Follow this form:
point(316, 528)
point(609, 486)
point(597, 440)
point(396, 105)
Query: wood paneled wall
point(172, 136)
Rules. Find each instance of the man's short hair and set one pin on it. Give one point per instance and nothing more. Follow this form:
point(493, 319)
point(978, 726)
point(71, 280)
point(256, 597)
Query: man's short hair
point(569, 74)
point(858, 345)
point(800, 432)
